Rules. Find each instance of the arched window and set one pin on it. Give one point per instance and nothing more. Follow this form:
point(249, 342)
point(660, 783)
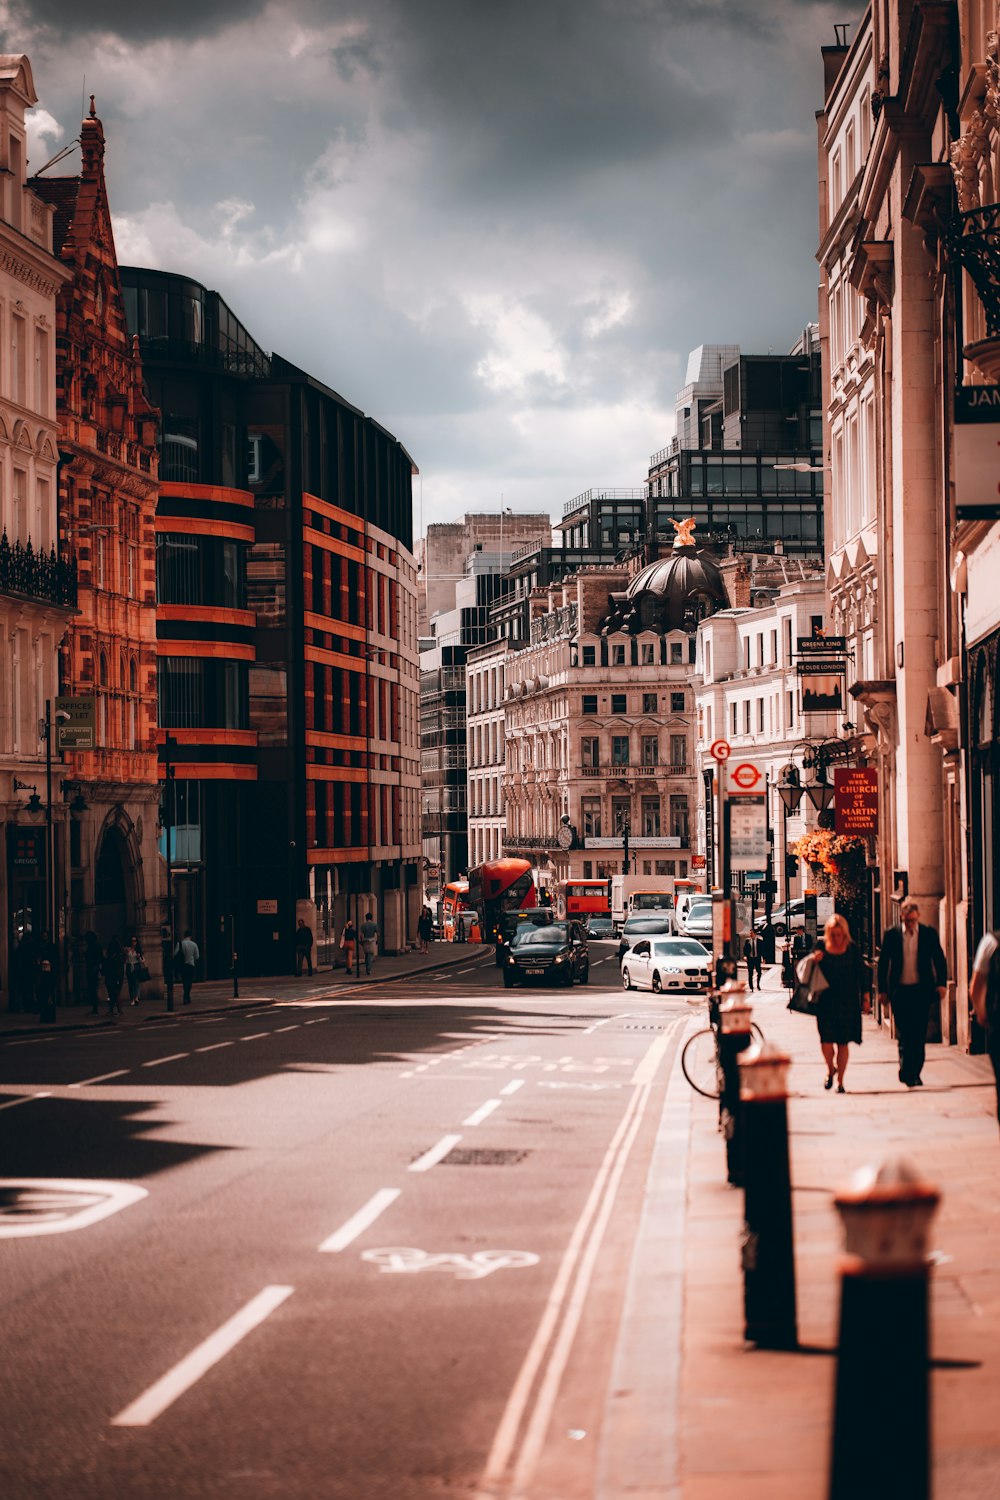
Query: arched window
point(103, 669)
point(133, 676)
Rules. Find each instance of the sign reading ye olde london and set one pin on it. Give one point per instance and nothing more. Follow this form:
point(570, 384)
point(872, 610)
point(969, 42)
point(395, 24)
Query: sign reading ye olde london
point(855, 804)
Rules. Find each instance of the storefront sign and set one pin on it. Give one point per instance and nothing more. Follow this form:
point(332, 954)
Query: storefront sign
point(267, 908)
point(668, 841)
point(855, 804)
point(821, 645)
point(79, 730)
point(977, 452)
point(27, 851)
point(747, 833)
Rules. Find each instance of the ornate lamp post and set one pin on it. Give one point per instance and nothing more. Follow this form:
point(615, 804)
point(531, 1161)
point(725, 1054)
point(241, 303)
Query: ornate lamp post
point(790, 790)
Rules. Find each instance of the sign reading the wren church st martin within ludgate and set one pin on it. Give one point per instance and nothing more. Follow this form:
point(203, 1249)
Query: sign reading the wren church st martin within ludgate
point(977, 452)
point(855, 799)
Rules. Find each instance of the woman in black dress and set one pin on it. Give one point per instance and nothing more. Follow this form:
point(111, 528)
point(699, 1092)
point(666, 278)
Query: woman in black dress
point(838, 1012)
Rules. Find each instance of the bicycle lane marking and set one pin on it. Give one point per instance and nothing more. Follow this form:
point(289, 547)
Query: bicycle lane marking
point(544, 1364)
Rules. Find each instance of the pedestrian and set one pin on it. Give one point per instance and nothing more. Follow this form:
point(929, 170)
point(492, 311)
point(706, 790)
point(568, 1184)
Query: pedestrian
point(984, 992)
point(188, 954)
point(425, 929)
point(23, 973)
point(754, 958)
point(911, 970)
point(787, 966)
point(303, 948)
point(369, 941)
point(93, 968)
point(46, 960)
point(349, 944)
point(846, 994)
point(114, 975)
point(135, 968)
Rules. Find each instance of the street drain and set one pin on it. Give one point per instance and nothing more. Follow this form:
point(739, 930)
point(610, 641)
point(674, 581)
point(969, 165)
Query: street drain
point(483, 1158)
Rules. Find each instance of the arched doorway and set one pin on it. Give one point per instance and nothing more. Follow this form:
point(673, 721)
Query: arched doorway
point(112, 895)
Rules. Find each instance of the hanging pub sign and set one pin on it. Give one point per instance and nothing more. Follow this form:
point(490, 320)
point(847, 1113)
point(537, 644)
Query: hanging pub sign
point(822, 685)
point(855, 799)
point(821, 645)
point(976, 453)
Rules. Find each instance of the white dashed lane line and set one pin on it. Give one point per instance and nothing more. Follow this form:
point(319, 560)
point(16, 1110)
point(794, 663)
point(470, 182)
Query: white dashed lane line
point(165, 1391)
point(483, 1112)
point(12, 1103)
point(279, 1029)
point(101, 1078)
point(158, 1062)
point(255, 1036)
point(435, 1154)
point(214, 1046)
point(513, 1086)
point(362, 1220)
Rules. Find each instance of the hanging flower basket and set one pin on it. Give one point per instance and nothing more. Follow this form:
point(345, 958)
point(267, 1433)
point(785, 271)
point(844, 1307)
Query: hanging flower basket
point(837, 861)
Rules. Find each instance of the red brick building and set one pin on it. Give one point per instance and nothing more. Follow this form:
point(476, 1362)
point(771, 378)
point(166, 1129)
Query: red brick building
point(107, 503)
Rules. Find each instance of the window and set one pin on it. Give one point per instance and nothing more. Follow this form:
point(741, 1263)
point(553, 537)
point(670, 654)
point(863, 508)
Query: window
point(733, 709)
point(590, 656)
point(619, 749)
point(746, 717)
point(676, 703)
point(679, 818)
point(649, 703)
point(590, 703)
point(618, 655)
point(619, 814)
point(676, 651)
point(651, 817)
point(650, 750)
point(678, 750)
point(648, 654)
point(590, 810)
point(588, 869)
point(619, 703)
point(590, 751)
point(760, 716)
point(664, 867)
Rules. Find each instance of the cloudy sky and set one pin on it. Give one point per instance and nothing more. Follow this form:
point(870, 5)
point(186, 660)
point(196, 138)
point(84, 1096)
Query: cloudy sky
point(498, 226)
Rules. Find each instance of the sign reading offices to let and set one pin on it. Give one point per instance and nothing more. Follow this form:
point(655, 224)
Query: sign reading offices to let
point(855, 802)
point(79, 731)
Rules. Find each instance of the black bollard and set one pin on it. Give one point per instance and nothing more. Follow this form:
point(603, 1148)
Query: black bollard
point(734, 1037)
point(769, 1312)
point(883, 1351)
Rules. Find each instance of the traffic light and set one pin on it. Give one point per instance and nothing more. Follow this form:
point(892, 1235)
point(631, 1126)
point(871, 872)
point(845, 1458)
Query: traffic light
point(791, 867)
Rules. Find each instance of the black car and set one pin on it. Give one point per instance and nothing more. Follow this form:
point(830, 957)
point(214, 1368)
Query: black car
point(643, 925)
point(514, 922)
point(600, 927)
point(556, 954)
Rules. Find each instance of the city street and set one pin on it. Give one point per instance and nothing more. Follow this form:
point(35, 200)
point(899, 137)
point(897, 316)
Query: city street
point(354, 1247)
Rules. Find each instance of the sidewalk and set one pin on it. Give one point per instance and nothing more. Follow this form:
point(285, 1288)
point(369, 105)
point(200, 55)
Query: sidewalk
point(217, 994)
point(758, 1424)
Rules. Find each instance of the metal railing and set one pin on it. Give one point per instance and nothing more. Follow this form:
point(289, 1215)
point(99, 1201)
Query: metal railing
point(582, 501)
point(974, 238)
point(36, 575)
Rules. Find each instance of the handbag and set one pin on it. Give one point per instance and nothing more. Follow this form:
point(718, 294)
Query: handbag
point(142, 973)
point(809, 986)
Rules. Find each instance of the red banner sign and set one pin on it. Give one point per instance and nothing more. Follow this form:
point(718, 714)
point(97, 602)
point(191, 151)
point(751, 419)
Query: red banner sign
point(855, 803)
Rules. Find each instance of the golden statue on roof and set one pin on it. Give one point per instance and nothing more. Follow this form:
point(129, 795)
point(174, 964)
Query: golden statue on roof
point(685, 532)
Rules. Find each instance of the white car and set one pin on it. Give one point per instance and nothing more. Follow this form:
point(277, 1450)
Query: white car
point(667, 963)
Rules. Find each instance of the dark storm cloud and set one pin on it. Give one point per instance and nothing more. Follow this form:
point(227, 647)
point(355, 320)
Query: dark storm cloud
point(132, 20)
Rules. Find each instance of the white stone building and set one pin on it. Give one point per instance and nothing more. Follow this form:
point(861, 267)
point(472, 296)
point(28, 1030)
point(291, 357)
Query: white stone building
point(747, 692)
point(36, 587)
point(486, 731)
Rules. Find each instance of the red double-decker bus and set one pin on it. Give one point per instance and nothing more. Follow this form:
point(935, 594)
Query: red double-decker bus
point(583, 899)
point(499, 886)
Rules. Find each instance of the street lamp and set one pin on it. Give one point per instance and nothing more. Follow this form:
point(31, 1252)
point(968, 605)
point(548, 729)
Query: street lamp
point(790, 791)
point(626, 830)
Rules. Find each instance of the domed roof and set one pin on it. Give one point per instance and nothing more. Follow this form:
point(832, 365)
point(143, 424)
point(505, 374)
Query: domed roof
point(673, 593)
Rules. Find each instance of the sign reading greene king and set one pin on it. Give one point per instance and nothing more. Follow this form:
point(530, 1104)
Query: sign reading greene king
point(855, 801)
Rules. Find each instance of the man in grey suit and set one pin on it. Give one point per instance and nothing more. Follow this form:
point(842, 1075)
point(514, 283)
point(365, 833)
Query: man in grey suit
point(911, 969)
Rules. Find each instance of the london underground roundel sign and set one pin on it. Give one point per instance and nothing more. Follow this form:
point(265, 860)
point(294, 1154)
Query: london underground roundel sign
point(745, 777)
point(719, 750)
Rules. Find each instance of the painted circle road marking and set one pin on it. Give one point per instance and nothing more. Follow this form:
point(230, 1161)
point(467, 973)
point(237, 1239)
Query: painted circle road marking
point(403, 1260)
point(745, 776)
point(720, 750)
point(56, 1205)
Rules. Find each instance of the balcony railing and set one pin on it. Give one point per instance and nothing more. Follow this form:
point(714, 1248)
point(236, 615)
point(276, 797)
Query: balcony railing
point(36, 575)
point(581, 502)
point(529, 841)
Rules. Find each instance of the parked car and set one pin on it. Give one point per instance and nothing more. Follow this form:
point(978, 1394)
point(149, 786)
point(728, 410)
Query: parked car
point(600, 927)
point(698, 922)
point(667, 963)
point(646, 925)
point(785, 919)
point(555, 954)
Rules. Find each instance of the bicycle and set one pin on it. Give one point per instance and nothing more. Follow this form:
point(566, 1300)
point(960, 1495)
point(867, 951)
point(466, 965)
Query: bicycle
point(700, 1059)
